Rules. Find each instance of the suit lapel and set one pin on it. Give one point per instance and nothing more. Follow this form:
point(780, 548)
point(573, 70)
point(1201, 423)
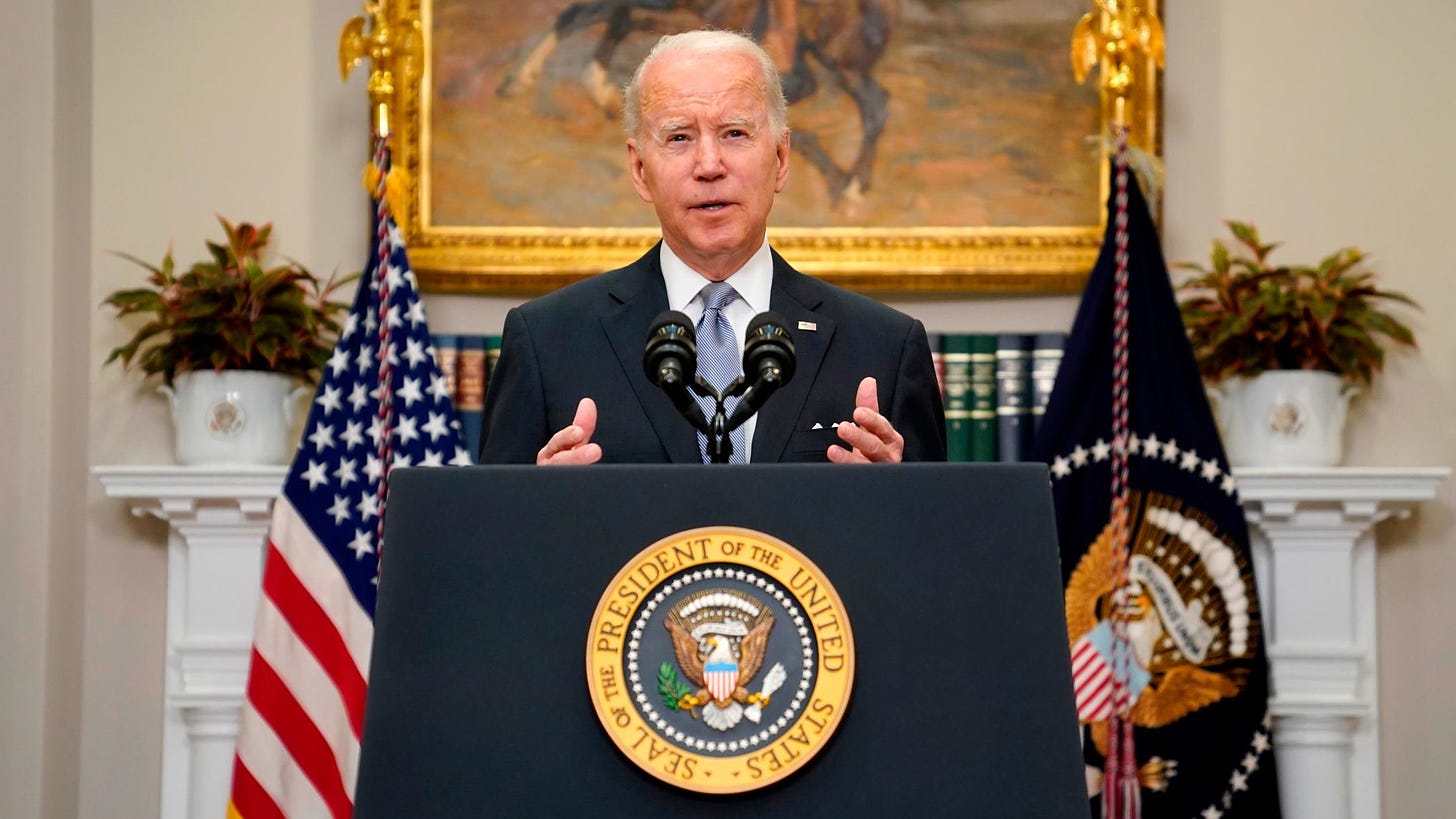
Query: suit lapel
point(797, 303)
point(638, 296)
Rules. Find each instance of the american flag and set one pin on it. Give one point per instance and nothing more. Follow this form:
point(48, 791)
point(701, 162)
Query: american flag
point(382, 404)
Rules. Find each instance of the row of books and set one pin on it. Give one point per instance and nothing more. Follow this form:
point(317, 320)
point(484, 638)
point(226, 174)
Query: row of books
point(466, 362)
point(995, 388)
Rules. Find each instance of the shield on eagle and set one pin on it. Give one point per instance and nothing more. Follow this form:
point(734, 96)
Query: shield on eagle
point(721, 678)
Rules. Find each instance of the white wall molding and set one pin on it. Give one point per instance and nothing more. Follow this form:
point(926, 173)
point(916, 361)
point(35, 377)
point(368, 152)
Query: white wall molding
point(1313, 533)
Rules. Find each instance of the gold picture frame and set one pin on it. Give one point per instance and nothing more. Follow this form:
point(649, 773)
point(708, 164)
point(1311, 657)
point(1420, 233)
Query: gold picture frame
point(454, 254)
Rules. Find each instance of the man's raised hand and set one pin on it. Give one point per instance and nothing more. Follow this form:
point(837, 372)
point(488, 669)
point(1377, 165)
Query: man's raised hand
point(873, 438)
point(573, 444)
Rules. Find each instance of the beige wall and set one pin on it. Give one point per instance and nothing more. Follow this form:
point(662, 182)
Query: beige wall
point(1318, 120)
point(43, 403)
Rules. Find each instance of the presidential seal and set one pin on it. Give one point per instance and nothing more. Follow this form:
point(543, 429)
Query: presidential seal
point(720, 660)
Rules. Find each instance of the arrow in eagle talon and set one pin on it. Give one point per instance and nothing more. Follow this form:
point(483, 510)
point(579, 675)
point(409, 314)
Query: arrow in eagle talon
point(771, 683)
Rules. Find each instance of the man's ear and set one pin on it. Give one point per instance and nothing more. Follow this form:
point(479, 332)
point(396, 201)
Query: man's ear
point(781, 176)
point(639, 173)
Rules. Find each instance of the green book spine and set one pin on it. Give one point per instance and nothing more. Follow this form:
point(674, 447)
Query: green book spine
point(983, 397)
point(956, 353)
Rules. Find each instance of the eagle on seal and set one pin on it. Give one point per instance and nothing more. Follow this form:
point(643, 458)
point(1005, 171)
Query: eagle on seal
point(719, 638)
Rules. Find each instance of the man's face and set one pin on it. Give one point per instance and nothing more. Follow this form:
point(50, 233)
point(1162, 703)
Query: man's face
point(706, 158)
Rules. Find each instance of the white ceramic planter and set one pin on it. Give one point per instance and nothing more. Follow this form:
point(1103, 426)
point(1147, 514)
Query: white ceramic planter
point(233, 416)
point(1283, 418)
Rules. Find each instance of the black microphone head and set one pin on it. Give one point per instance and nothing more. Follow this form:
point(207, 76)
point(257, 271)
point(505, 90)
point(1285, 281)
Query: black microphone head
point(673, 321)
point(671, 354)
point(767, 344)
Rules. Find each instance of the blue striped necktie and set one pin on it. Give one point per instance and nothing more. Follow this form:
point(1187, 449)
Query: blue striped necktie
point(719, 362)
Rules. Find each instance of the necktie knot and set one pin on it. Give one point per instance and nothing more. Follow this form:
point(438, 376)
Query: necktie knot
point(717, 295)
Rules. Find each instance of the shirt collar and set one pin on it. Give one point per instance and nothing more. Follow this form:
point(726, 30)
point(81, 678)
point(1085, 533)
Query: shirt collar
point(753, 281)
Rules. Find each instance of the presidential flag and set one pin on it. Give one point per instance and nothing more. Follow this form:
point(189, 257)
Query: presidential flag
point(1162, 609)
point(382, 404)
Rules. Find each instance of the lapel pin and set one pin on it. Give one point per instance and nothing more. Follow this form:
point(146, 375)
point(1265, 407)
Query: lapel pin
point(808, 325)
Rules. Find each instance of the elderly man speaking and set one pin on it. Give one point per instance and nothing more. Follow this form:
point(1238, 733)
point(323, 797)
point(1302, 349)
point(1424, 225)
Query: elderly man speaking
point(708, 147)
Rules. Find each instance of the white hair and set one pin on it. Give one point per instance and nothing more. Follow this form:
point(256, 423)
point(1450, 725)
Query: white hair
point(709, 41)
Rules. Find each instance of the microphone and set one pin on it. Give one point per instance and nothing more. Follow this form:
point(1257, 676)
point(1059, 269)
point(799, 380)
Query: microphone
point(670, 361)
point(768, 363)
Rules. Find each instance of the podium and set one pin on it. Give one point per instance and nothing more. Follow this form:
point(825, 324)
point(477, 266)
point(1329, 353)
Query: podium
point(962, 696)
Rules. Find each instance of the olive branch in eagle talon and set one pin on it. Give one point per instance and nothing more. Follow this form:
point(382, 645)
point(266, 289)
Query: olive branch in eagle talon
point(675, 695)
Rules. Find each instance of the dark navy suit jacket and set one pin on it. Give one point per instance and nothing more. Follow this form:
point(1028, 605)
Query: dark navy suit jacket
point(586, 340)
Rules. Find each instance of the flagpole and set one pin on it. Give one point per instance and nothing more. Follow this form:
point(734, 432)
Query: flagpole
point(1108, 38)
point(392, 49)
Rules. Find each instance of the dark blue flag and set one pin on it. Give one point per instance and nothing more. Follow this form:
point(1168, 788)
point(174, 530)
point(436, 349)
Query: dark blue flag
point(1195, 671)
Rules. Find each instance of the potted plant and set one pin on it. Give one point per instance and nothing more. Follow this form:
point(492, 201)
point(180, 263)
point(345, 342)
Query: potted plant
point(230, 338)
point(1285, 347)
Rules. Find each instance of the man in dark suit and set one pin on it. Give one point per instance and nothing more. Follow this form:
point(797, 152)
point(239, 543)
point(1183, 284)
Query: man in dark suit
point(708, 147)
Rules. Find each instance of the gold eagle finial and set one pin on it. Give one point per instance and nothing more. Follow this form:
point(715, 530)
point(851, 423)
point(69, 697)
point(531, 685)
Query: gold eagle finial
point(1112, 35)
point(393, 48)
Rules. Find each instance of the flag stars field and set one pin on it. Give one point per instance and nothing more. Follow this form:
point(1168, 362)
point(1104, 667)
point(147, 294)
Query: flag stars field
point(436, 426)
point(339, 361)
point(358, 397)
point(410, 392)
point(340, 510)
point(322, 436)
point(345, 473)
point(362, 544)
point(368, 506)
point(328, 399)
point(315, 475)
point(405, 429)
point(353, 435)
point(438, 391)
point(414, 353)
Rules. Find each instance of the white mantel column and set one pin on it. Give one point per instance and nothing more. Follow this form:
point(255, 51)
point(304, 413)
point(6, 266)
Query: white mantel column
point(217, 521)
point(1314, 551)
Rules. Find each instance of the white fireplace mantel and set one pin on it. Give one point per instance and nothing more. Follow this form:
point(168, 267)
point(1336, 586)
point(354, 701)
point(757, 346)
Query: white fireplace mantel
point(1314, 554)
point(217, 522)
point(1313, 533)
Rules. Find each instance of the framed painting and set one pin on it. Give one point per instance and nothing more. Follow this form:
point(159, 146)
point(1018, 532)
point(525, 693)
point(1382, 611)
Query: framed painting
point(957, 154)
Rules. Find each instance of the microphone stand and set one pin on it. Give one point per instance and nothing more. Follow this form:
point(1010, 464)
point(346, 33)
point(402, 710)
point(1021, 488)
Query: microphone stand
point(720, 445)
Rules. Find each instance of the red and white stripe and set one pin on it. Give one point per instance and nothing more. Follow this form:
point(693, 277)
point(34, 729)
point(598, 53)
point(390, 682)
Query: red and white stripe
point(298, 736)
point(721, 683)
point(1092, 681)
